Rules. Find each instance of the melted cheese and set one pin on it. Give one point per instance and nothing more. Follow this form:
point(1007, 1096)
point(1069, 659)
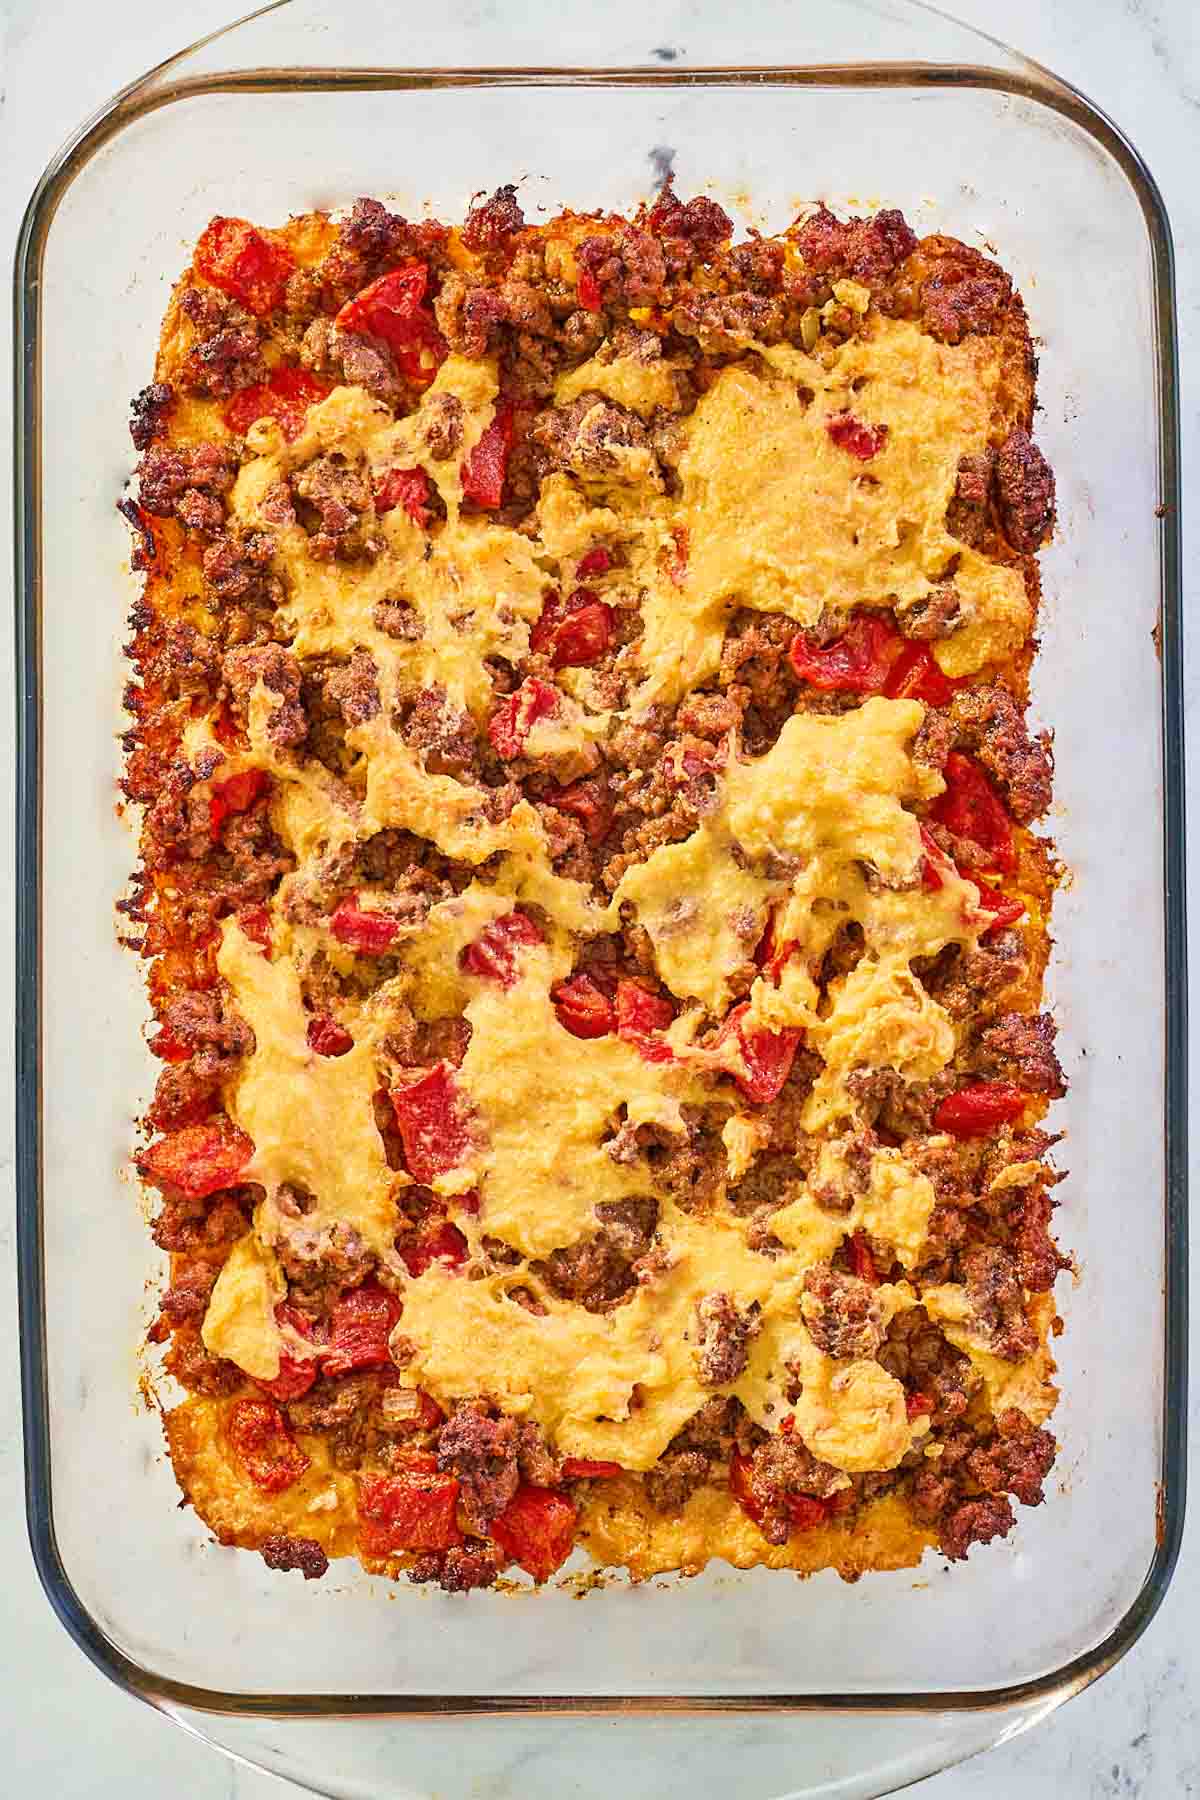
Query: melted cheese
point(1025, 1384)
point(641, 387)
point(240, 1321)
point(881, 1018)
point(895, 1206)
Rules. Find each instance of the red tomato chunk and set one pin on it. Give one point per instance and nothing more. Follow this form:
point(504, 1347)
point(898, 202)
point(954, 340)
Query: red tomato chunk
point(296, 1373)
point(855, 436)
point(575, 634)
point(767, 1056)
point(583, 1008)
point(858, 662)
point(406, 488)
point(326, 1037)
point(236, 795)
point(360, 1324)
point(536, 1530)
point(369, 933)
point(286, 396)
point(260, 1439)
point(915, 675)
point(255, 922)
point(445, 1243)
point(587, 801)
point(239, 260)
point(582, 1468)
point(494, 954)
point(640, 1018)
point(862, 1263)
point(516, 716)
point(391, 309)
point(411, 1511)
point(975, 1110)
point(971, 808)
point(199, 1160)
point(485, 468)
point(432, 1127)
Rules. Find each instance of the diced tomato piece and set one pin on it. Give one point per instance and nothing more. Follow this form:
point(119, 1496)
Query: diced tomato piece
point(286, 395)
point(516, 716)
point(485, 468)
point(862, 1263)
point(770, 956)
point(597, 561)
point(855, 436)
point(588, 290)
point(233, 256)
point(917, 1403)
point(370, 933)
point(326, 1037)
point(415, 1510)
point(585, 633)
point(583, 1008)
point(360, 1324)
point(677, 563)
point(420, 359)
point(536, 1530)
point(236, 795)
point(445, 1243)
point(767, 1056)
point(936, 864)
point(586, 800)
point(915, 675)
point(858, 662)
point(296, 1373)
point(640, 1017)
point(260, 1439)
point(432, 1127)
point(971, 808)
point(495, 952)
point(804, 1511)
point(741, 1489)
point(167, 1047)
point(582, 1468)
point(975, 1110)
point(1003, 910)
point(468, 1203)
point(255, 923)
point(198, 1160)
point(407, 488)
point(391, 309)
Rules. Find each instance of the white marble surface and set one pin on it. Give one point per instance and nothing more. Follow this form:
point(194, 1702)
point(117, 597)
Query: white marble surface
point(64, 1730)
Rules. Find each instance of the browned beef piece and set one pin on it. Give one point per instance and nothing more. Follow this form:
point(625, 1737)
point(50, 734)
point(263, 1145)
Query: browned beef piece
point(988, 720)
point(628, 264)
point(197, 1369)
point(936, 616)
point(149, 412)
point(226, 354)
point(863, 248)
point(964, 295)
point(994, 1293)
point(489, 1456)
point(1039, 1261)
point(177, 823)
point(399, 619)
point(469, 314)
point(320, 1261)
point(187, 663)
point(960, 980)
point(187, 1297)
point(694, 1454)
point(185, 1224)
point(335, 495)
point(458, 1570)
point(354, 688)
point(723, 1332)
point(712, 715)
point(782, 1466)
point(1019, 1047)
point(691, 1167)
point(969, 514)
point(724, 323)
point(916, 1352)
point(597, 1272)
point(282, 1552)
point(903, 1107)
point(253, 859)
point(975, 1522)
point(1016, 1460)
point(491, 223)
point(1025, 492)
point(351, 358)
point(280, 673)
point(369, 240)
point(443, 734)
point(443, 425)
point(699, 222)
point(237, 566)
point(584, 435)
point(333, 1402)
point(188, 482)
point(842, 1313)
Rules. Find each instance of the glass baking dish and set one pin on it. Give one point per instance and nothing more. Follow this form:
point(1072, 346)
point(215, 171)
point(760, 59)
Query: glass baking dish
point(766, 107)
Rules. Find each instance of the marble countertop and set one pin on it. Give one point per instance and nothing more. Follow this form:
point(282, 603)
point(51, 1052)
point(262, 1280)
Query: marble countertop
point(64, 1729)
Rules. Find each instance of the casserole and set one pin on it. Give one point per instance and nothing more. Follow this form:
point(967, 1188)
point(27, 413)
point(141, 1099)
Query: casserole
point(1072, 213)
